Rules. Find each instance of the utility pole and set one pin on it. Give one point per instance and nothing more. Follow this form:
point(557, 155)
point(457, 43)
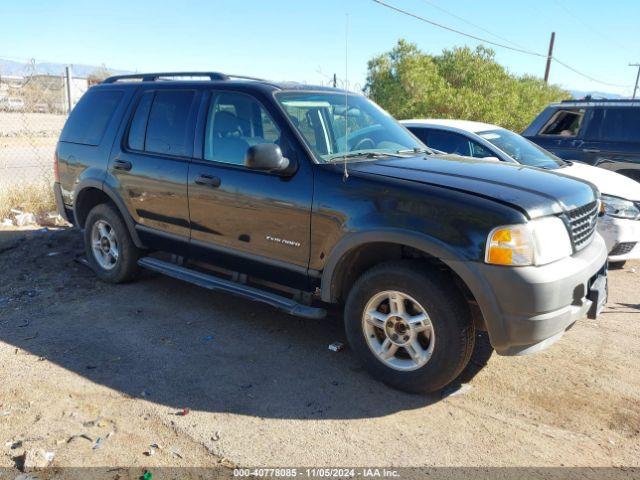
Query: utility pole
point(68, 76)
point(635, 89)
point(335, 81)
point(549, 57)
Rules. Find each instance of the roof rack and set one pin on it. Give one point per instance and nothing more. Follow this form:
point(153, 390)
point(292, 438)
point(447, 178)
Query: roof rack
point(591, 99)
point(154, 77)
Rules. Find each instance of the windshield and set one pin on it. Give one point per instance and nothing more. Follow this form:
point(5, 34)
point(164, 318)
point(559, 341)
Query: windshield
point(521, 150)
point(335, 125)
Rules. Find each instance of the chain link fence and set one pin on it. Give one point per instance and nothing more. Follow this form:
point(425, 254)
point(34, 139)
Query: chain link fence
point(35, 99)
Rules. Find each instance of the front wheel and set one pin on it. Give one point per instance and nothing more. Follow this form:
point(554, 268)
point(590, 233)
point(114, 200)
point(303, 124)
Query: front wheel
point(410, 326)
point(110, 250)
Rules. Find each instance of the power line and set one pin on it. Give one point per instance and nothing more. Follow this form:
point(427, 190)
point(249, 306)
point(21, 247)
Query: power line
point(589, 77)
point(439, 25)
point(501, 45)
point(475, 25)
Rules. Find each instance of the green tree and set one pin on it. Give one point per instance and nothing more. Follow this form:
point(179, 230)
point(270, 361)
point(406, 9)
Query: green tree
point(461, 83)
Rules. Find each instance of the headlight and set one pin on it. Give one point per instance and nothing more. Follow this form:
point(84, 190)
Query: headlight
point(538, 242)
point(620, 208)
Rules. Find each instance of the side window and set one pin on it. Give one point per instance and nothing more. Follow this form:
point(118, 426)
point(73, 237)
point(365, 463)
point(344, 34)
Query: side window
point(478, 151)
point(564, 123)
point(421, 133)
point(449, 142)
point(168, 125)
point(90, 117)
point(139, 123)
point(235, 122)
point(616, 124)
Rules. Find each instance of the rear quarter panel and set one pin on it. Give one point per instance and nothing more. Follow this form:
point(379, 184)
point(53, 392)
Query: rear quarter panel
point(80, 164)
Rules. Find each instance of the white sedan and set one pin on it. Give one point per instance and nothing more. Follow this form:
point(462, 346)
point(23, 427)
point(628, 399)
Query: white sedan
point(620, 226)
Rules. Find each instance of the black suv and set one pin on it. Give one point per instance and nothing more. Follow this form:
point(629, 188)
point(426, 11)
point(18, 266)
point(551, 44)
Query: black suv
point(604, 133)
point(301, 196)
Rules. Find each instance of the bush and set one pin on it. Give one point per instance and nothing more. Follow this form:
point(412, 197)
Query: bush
point(36, 198)
point(460, 84)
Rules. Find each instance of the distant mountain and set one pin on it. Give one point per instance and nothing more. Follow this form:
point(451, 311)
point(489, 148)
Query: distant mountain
point(19, 69)
point(596, 95)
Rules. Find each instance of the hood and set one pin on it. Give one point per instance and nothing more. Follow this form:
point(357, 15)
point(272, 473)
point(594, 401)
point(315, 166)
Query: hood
point(534, 192)
point(608, 182)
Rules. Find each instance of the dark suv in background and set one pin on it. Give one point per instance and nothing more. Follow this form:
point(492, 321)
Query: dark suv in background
point(604, 133)
point(301, 196)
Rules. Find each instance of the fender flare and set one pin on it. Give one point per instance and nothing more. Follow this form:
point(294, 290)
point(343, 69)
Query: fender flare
point(117, 201)
point(463, 267)
point(347, 244)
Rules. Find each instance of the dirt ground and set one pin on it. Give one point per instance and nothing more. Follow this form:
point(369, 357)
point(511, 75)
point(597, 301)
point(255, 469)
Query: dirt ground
point(96, 374)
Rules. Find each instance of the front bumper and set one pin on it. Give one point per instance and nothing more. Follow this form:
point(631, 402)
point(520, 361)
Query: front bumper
point(616, 231)
point(528, 308)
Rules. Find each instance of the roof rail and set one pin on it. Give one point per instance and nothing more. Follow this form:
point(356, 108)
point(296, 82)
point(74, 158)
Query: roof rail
point(591, 99)
point(153, 77)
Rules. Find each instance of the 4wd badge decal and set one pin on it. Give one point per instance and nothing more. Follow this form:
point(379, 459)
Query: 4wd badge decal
point(290, 243)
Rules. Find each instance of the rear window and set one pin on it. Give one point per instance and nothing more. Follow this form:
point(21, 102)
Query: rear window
point(168, 126)
point(89, 119)
point(621, 124)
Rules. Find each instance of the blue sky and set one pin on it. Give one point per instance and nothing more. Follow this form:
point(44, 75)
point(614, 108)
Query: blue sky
point(305, 41)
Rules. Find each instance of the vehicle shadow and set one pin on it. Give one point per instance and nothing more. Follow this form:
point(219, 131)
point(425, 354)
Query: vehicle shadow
point(182, 346)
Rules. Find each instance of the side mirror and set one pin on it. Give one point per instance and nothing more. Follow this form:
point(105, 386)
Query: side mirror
point(266, 157)
point(491, 159)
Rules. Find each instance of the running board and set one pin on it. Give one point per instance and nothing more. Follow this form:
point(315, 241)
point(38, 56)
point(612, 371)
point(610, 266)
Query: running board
point(214, 283)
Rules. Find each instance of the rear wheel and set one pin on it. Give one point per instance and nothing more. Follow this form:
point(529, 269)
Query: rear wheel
point(410, 326)
point(110, 250)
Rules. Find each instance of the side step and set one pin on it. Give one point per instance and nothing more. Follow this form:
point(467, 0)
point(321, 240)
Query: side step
point(214, 283)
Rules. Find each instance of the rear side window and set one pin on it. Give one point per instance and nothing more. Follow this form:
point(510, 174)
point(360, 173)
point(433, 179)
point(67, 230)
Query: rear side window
point(621, 124)
point(90, 117)
point(168, 125)
point(564, 123)
point(139, 123)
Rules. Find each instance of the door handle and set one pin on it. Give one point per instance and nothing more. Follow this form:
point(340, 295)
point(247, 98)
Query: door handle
point(591, 150)
point(122, 165)
point(208, 180)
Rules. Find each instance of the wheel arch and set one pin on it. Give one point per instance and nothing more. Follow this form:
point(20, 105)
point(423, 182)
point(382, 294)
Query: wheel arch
point(360, 251)
point(90, 193)
point(383, 246)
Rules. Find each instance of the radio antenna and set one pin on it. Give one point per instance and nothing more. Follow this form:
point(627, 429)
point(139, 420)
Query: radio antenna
point(346, 97)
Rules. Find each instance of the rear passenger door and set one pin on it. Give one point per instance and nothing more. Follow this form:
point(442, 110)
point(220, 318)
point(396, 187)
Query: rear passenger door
point(250, 221)
point(150, 165)
point(612, 140)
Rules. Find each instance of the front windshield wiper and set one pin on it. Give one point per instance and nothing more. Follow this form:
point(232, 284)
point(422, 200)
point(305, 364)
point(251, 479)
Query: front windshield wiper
point(362, 155)
point(416, 151)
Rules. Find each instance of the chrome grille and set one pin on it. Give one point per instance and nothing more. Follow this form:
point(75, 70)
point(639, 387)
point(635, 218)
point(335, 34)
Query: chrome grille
point(582, 224)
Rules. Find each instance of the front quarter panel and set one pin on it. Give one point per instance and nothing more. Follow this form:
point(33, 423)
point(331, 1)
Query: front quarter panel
point(363, 208)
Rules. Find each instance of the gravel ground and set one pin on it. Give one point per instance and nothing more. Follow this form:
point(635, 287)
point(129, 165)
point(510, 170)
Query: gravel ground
point(81, 360)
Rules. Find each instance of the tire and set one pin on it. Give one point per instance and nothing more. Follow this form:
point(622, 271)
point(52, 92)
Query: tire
point(124, 268)
point(617, 265)
point(482, 352)
point(446, 338)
